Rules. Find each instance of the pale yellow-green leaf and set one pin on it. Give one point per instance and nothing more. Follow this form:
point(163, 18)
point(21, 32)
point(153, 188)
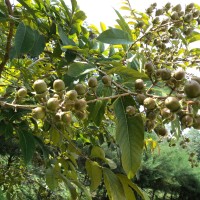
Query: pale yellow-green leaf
point(103, 26)
point(98, 152)
point(113, 185)
point(95, 173)
point(129, 193)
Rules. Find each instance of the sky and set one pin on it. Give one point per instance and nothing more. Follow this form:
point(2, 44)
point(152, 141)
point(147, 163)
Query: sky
point(103, 10)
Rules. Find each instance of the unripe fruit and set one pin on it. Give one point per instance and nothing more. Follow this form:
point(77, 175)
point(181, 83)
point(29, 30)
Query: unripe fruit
point(192, 89)
point(81, 114)
point(58, 85)
point(161, 130)
point(38, 113)
point(92, 82)
point(66, 117)
point(139, 84)
point(196, 13)
point(179, 74)
point(72, 95)
point(195, 78)
point(165, 74)
point(165, 113)
point(177, 8)
point(175, 16)
point(140, 98)
point(80, 104)
point(196, 123)
point(53, 104)
point(188, 18)
point(40, 86)
point(151, 115)
point(106, 80)
point(149, 67)
point(187, 120)
point(80, 89)
point(22, 92)
point(172, 104)
point(150, 125)
point(149, 103)
point(131, 110)
point(159, 12)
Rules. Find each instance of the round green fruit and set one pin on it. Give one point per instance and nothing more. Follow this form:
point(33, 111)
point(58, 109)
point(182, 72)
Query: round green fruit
point(196, 123)
point(187, 121)
point(22, 92)
point(179, 74)
point(40, 86)
point(80, 89)
point(149, 103)
point(139, 84)
point(81, 114)
point(66, 117)
point(161, 130)
point(38, 113)
point(172, 103)
point(140, 98)
point(72, 95)
point(80, 104)
point(58, 85)
point(192, 89)
point(106, 80)
point(92, 82)
point(165, 74)
point(131, 110)
point(53, 104)
point(196, 78)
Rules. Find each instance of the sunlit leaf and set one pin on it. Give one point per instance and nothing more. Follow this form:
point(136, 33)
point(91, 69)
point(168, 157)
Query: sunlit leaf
point(115, 36)
point(129, 135)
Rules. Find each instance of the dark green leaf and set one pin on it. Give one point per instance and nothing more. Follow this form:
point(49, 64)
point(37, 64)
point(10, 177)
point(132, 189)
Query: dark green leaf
point(115, 36)
point(64, 38)
point(78, 69)
point(129, 135)
point(27, 144)
point(24, 39)
point(51, 180)
point(39, 44)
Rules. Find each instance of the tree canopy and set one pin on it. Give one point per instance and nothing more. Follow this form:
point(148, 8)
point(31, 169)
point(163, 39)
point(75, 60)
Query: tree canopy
point(79, 103)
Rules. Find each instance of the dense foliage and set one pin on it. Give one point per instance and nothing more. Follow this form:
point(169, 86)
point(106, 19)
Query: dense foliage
point(76, 101)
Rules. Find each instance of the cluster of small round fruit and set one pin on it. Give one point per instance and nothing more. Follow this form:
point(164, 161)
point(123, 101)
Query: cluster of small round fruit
point(161, 110)
point(61, 104)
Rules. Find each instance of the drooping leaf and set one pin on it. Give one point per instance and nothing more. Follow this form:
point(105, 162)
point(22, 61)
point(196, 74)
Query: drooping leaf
point(97, 152)
point(127, 190)
point(129, 135)
point(27, 144)
point(95, 173)
point(137, 189)
point(64, 38)
point(78, 69)
point(24, 39)
point(51, 179)
point(113, 185)
point(115, 36)
point(39, 44)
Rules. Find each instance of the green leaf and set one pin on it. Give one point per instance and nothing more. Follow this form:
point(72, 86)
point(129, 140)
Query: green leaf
point(74, 5)
point(78, 69)
point(51, 180)
point(115, 36)
point(113, 186)
point(95, 173)
point(97, 152)
point(139, 191)
point(123, 24)
point(176, 127)
point(127, 72)
point(129, 135)
point(103, 26)
point(38, 45)
point(24, 39)
point(64, 38)
point(27, 144)
point(129, 193)
point(79, 16)
point(194, 38)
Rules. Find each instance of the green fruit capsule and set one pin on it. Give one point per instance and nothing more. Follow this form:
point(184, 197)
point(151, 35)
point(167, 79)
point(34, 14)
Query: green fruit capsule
point(40, 86)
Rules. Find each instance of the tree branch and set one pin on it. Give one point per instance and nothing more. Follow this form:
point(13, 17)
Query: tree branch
point(9, 38)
